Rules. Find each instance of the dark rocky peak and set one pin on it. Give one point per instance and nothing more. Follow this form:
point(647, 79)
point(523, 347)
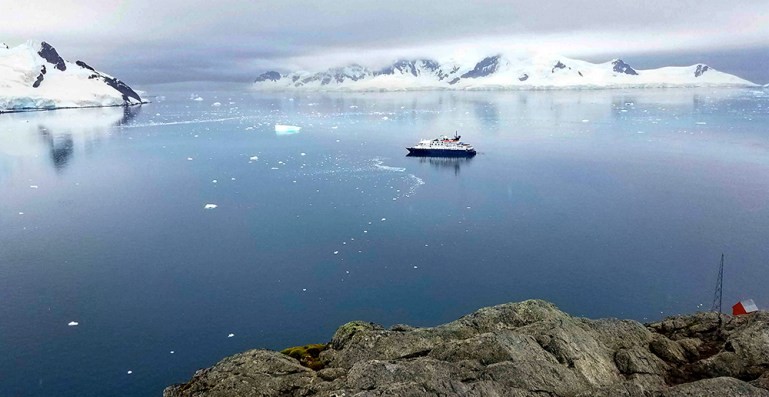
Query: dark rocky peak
point(621, 67)
point(523, 77)
point(3, 45)
point(122, 87)
point(271, 76)
point(558, 65)
point(410, 66)
point(49, 53)
point(84, 65)
point(353, 72)
point(701, 69)
point(40, 77)
point(485, 67)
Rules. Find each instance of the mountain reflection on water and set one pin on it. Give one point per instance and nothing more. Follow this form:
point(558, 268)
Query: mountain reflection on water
point(60, 133)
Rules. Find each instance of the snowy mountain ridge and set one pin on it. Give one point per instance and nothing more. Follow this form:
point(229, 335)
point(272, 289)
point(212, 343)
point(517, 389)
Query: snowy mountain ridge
point(34, 76)
point(498, 72)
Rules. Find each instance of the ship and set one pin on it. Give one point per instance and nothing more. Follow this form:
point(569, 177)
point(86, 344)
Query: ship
point(442, 146)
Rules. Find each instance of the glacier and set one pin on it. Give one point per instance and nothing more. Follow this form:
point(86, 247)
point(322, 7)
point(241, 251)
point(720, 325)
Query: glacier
point(33, 76)
point(497, 72)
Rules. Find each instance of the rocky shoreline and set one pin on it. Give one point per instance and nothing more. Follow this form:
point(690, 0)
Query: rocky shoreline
point(521, 349)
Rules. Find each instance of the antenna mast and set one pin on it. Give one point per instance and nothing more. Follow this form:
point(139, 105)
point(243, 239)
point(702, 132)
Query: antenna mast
point(718, 295)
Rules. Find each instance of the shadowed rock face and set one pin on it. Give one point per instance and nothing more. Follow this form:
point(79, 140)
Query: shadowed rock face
point(619, 66)
point(39, 78)
point(271, 76)
point(558, 65)
point(518, 349)
point(120, 86)
point(701, 69)
point(51, 56)
point(484, 68)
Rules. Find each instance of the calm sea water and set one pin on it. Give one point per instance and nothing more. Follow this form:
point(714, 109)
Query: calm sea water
point(608, 203)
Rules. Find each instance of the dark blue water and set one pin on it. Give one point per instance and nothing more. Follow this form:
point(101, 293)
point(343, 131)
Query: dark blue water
point(608, 203)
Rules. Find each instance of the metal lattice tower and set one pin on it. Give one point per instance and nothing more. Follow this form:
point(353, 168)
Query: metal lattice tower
point(718, 295)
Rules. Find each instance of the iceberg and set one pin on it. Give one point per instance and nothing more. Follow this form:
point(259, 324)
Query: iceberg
point(283, 129)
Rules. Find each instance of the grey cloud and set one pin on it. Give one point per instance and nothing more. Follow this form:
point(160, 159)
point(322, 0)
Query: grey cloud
point(146, 41)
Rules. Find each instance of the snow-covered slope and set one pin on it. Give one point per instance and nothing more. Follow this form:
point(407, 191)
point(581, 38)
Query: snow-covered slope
point(34, 76)
point(499, 72)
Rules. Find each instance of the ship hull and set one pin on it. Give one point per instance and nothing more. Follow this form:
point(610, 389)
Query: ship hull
point(423, 152)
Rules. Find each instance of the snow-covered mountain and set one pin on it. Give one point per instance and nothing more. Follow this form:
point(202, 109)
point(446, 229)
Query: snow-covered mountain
point(34, 76)
point(498, 72)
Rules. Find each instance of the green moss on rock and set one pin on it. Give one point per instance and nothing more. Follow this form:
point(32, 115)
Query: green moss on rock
point(307, 355)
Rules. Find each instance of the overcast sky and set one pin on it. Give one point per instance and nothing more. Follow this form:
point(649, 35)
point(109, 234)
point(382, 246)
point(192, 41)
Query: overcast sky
point(155, 41)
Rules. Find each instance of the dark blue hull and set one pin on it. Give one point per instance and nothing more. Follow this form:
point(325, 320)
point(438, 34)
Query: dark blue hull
point(440, 152)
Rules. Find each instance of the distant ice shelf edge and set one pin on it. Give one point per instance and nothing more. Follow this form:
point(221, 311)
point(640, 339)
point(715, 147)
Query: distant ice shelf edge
point(499, 72)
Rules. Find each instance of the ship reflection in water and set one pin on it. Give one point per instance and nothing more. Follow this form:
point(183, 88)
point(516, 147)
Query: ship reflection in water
point(446, 163)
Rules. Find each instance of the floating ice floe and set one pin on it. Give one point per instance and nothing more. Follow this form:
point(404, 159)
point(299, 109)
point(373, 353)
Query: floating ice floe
point(214, 181)
point(189, 158)
point(216, 104)
point(230, 335)
point(284, 129)
point(303, 154)
point(73, 323)
point(210, 206)
point(33, 186)
point(130, 372)
point(253, 158)
point(197, 98)
point(336, 252)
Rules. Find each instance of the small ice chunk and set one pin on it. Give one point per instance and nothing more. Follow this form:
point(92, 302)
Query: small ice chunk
point(189, 158)
point(21, 213)
point(210, 206)
point(33, 186)
point(230, 335)
point(214, 181)
point(303, 154)
point(197, 99)
point(253, 158)
point(129, 372)
point(216, 104)
point(73, 323)
point(384, 219)
point(172, 352)
point(274, 168)
point(385, 118)
point(336, 252)
point(288, 129)
point(415, 267)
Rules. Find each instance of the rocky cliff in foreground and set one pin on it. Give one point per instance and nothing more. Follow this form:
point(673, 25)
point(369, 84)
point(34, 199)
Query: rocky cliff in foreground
point(517, 349)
